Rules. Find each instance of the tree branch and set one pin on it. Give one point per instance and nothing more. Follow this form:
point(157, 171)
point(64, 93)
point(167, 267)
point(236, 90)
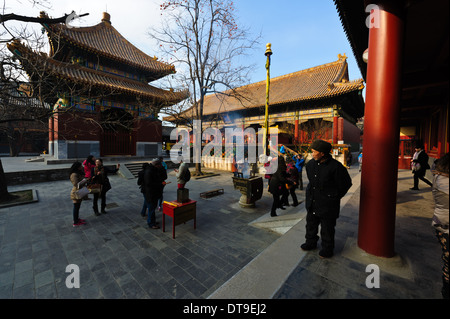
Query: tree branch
point(13, 16)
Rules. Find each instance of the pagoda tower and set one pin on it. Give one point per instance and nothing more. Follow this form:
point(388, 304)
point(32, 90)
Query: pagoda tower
point(99, 85)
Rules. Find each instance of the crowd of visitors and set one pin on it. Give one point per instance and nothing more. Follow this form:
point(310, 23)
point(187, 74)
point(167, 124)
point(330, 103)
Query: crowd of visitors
point(92, 175)
point(328, 182)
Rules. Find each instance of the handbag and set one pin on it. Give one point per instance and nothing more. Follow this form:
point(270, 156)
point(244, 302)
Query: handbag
point(95, 188)
point(82, 192)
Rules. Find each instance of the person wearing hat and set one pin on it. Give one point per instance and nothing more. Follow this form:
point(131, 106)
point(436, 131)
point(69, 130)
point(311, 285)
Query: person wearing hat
point(419, 166)
point(329, 181)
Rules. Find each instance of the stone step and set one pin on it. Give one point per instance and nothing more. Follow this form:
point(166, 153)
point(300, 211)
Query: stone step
point(134, 168)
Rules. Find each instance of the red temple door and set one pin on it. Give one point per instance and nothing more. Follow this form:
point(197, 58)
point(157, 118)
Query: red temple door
point(118, 143)
point(118, 136)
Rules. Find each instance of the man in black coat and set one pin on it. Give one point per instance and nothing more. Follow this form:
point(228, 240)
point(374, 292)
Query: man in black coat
point(329, 181)
point(419, 166)
point(154, 177)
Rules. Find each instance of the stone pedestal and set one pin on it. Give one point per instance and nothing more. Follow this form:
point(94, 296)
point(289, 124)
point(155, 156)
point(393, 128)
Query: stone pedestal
point(251, 190)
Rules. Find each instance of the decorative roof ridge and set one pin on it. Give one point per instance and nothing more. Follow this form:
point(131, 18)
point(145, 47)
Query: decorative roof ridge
point(350, 82)
point(311, 69)
point(293, 74)
point(341, 60)
point(62, 29)
point(79, 28)
point(342, 75)
point(108, 25)
point(336, 73)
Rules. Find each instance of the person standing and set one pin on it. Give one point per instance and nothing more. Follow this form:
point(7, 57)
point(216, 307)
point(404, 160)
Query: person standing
point(277, 185)
point(141, 184)
point(268, 174)
point(360, 159)
point(164, 164)
point(292, 184)
point(329, 181)
point(299, 163)
point(182, 172)
point(419, 166)
point(76, 178)
point(163, 171)
point(440, 219)
point(153, 185)
point(234, 168)
point(89, 164)
point(100, 176)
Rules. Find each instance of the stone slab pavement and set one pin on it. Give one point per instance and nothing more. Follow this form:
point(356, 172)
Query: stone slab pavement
point(414, 273)
point(241, 248)
point(118, 256)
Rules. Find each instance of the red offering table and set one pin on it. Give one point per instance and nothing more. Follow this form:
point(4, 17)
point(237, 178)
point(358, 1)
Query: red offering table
point(180, 213)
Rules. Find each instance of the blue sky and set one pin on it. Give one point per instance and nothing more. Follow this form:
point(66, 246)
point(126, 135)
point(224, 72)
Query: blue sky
point(303, 33)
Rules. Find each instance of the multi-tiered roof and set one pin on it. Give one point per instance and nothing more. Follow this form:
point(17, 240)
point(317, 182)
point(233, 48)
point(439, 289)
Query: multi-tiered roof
point(99, 56)
point(326, 83)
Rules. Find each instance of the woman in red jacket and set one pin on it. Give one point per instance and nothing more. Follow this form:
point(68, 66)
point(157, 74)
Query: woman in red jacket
point(89, 165)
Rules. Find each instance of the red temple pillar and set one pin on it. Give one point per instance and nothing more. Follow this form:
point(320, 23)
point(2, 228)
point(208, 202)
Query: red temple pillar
point(376, 229)
point(340, 129)
point(335, 125)
point(335, 129)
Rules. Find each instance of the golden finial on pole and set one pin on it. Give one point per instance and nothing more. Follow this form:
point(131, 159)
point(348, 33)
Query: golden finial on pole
point(268, 49)
point(268, 53)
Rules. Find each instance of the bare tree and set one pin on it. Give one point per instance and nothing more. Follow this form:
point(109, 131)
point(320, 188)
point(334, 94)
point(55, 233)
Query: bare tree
point(16, 90)
point(203, 38)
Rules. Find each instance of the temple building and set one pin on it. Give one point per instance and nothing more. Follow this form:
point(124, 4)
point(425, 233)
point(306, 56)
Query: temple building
point(99, 85)
point(319, 102)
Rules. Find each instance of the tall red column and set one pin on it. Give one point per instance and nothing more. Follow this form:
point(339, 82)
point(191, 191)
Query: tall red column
point(376, 229)
point(340, 129)
point(335, 129)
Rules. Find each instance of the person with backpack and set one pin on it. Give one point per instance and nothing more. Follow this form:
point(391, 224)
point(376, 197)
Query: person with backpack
point(183, 174)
